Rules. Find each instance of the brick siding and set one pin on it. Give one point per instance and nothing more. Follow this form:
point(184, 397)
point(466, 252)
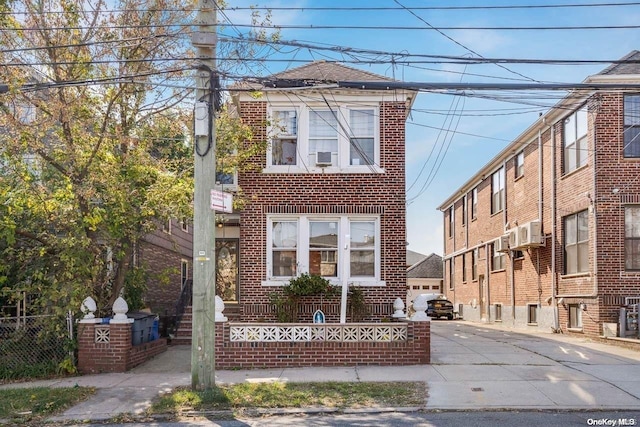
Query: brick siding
point(326, 193)
point(529, 280)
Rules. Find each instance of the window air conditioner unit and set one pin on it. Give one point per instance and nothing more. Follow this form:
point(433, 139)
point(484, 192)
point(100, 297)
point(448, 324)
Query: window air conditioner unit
point(514, 238)
point(502, 244)
point(530, 234)
point(323, 158)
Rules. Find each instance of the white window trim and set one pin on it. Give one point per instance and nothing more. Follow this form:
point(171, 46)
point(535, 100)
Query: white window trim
point(344, 250)
point(342, 160)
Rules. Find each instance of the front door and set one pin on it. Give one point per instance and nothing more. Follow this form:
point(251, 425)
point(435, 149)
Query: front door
point(227, 265)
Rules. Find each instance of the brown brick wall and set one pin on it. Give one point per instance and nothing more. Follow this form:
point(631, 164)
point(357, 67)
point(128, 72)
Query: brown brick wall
point(588, 188)
point(341, 194)
point(244, 355)
point(163, 287)
point(118, 355)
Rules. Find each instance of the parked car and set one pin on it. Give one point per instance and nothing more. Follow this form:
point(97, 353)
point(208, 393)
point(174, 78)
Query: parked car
point(440, 308)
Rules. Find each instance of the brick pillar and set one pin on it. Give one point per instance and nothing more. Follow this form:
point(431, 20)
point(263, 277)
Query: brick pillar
point(103, 348)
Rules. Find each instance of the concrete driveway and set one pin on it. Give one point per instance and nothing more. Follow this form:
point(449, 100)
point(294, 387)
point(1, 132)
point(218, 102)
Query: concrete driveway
point(483, 366)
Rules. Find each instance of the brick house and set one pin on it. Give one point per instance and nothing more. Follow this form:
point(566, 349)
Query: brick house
point(547, 234)
point(167, 255)
point(328, 197)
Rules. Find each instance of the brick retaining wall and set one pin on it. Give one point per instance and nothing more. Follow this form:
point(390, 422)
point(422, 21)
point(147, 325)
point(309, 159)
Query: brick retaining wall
point(246, 355)
point(119, 355)
point(98, 354)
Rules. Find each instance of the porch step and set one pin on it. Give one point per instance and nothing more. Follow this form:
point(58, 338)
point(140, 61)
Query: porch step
point(183, 334)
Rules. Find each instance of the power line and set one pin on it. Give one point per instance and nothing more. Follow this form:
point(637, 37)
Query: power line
point(486, 7)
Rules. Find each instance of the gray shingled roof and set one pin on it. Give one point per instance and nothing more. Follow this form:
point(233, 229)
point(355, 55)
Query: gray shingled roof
point(414, 257)
point(428, 268)
point(621, 69)
point(329, 71)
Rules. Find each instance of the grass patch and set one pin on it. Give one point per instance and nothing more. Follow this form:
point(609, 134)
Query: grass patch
point(28, 404)
point(293, 395)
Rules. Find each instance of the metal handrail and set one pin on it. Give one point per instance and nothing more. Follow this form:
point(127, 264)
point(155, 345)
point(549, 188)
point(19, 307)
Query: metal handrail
point(183, 301)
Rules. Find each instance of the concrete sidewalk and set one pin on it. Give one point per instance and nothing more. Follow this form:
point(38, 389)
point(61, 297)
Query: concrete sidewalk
point(474, 367)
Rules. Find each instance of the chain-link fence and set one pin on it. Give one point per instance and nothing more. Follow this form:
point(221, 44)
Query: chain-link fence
point(33, 347)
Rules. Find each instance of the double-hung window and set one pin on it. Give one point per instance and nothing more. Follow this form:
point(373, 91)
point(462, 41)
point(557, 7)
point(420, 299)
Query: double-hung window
point(284, 145)
point(631, 126)
point(474, 203)
point(519, 166)
point(497, 191)
point(362, 140)
point(363, 249)
point(323, 137)
point(323, 248)
point(331, 247)
point(310, 138)
point(632, 237)
point(575, 140)
point(284, 248)
point(576, 243)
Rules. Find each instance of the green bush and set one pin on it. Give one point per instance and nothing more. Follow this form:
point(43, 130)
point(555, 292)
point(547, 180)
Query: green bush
point(309, 284)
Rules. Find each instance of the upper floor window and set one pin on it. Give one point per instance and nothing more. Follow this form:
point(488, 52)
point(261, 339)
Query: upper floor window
point(339, 138)
point(474, 203)
point(631, 125)
point(497, 191)
point(632, 237)
point(519, 167)
point(464, 209)
point(327, 246)
point(362, 138)
point(285, 142)
point(576, 243)
point(451, 218)
point(575, 140)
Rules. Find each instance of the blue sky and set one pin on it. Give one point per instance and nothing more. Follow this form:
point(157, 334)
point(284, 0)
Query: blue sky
point(475, 128)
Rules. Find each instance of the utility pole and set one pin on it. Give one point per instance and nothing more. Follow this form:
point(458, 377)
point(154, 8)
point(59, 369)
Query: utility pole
point(204, 277)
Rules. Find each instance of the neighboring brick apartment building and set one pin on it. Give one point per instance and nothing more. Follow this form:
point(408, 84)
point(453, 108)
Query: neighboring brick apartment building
point(547, 234)
point(167, 255)
point(328, 198)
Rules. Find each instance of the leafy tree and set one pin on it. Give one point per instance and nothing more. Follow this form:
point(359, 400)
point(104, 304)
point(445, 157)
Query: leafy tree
point(95, 148)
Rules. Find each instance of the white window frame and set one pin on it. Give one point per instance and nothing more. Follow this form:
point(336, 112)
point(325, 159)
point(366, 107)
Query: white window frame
point(340, 160)
point(343, 251)
point(574, 139)
point(497, 191)
point(519, 164)
point(573, 265)
point(631, 237)
point(631, 139)
point(574, 316)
